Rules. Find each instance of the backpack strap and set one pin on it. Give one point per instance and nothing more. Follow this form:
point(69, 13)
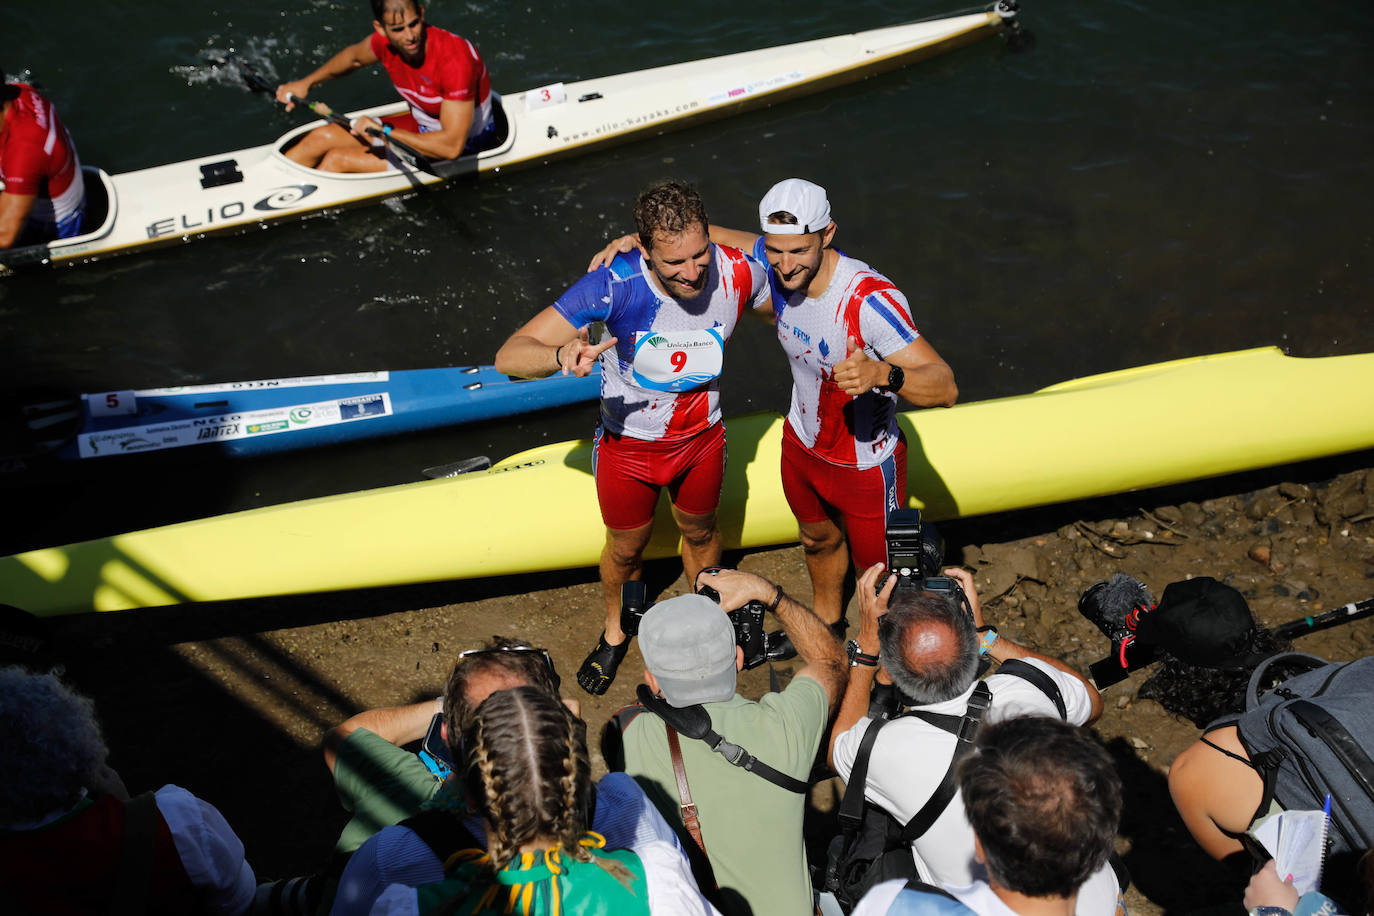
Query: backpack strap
point(1017, 667)
point(852, 806)
point(443, 833)
point(966, 731)
point(690, 820)
point(1259, 677)
point(1345, 748)
point(613, 737)
point(695, 722)
point(914, 883)
point(133, 875)
point(697, 857)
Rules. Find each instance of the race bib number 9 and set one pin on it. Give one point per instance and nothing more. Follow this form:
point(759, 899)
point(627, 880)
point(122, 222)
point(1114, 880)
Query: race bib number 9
point(678, 360)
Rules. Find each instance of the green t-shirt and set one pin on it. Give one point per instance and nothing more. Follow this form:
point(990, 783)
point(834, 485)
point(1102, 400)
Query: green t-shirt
point(752, 829)
point(380, 783)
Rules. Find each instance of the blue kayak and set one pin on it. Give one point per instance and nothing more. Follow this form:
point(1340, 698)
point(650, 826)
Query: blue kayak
point(276, 415)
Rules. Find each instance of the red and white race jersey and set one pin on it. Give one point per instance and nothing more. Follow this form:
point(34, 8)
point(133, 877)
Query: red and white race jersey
point(661, 379)
point(37, 157)
point(452, 71)
point(861, 303)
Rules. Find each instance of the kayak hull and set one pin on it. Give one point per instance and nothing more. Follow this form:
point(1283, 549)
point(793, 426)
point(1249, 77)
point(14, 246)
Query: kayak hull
point(243, 419)
point(1129, 430)
point(256, 187)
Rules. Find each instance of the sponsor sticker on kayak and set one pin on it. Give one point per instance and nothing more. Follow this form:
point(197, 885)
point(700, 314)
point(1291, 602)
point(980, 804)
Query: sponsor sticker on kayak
point(224, 427)
point(731, 93)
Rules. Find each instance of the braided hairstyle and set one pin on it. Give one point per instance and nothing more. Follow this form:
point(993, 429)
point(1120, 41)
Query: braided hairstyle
point(528, 771)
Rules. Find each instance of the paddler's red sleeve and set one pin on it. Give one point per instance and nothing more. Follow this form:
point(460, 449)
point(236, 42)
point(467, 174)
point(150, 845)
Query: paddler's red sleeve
point(460, 68)
point(22, 163)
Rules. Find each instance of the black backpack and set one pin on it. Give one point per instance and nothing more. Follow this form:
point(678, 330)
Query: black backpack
point(1313, 735)
point(872, 846)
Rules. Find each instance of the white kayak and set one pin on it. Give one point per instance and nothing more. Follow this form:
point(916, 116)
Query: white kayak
point(254, 187)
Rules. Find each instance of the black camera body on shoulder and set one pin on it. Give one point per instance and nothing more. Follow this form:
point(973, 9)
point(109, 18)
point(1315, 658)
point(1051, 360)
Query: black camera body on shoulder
point(747, 620)
point(916, 555)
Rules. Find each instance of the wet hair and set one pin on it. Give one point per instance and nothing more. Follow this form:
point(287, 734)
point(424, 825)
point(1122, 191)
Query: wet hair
point(528, 772)
point(379, 7)
point(782, 218)
point(1204, 695)
point(525, 667)
point(50, 745)
point(1044, 800)
point(936, 680)
point(669, 208)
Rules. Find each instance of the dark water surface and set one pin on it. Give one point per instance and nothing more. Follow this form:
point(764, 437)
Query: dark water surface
point(1152, 181)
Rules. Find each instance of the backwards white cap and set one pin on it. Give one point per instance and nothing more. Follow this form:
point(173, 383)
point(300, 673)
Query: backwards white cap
point(803, 199)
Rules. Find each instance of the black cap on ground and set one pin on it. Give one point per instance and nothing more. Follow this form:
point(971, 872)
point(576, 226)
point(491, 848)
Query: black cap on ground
point(1204, 622)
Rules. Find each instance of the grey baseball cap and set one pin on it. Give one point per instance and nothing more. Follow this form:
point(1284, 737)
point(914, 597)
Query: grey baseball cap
point(688, 646)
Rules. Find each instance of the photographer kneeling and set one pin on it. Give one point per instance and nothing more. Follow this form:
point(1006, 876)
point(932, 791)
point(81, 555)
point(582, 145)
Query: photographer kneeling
point(742, 788)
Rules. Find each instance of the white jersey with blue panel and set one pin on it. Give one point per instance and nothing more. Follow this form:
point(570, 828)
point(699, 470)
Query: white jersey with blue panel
point(855, 432)
point(660, 380)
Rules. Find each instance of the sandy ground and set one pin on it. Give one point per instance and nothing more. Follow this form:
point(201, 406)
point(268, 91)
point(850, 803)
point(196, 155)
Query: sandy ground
point(230, 700)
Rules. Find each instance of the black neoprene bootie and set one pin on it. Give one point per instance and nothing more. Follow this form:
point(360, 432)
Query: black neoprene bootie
point(598, 669)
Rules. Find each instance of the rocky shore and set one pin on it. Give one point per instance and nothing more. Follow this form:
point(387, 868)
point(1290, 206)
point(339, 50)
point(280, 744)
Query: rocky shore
point(230, 700)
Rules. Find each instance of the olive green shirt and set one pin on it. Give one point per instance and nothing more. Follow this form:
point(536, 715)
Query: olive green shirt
point(752, 829)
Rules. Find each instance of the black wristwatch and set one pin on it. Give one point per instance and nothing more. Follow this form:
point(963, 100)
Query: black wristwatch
point(896, 378)
point(856, 657)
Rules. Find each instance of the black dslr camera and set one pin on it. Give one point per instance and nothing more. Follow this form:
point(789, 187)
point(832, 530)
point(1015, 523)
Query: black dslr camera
point(747, 620)
point(916, 555)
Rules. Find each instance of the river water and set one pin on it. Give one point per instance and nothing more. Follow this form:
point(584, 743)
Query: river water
point(1151, 181)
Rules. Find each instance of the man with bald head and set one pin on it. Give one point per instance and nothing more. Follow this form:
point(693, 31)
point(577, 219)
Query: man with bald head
point(930, 648)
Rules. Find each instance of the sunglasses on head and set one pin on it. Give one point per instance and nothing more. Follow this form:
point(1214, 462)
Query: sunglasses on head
point(514, 650)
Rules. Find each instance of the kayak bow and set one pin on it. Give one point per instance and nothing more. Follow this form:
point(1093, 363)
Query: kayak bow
point(255, 187)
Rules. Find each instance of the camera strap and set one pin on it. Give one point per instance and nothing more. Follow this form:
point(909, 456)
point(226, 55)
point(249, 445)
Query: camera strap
point(965, 730)
point(695, 722)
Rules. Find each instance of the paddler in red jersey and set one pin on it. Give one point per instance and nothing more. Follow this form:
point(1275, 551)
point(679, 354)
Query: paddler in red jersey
point(43, 196)
point(438, 73)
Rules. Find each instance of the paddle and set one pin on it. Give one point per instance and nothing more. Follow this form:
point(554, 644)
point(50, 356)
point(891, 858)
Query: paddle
point(457, 468)
point(1352, 611)
point(404, 151)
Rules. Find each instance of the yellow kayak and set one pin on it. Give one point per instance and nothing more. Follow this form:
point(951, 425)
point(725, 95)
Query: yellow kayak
point(1128, 430)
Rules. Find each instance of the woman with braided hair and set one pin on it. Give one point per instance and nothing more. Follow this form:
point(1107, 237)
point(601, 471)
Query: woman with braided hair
point(527, 773)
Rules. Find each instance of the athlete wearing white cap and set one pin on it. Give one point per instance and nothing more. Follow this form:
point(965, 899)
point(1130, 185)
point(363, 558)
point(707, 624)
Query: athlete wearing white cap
point(854, 349)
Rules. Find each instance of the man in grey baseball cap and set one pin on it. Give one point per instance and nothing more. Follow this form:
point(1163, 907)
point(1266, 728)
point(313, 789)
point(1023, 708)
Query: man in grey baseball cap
point(689, 649)
point(691, 661)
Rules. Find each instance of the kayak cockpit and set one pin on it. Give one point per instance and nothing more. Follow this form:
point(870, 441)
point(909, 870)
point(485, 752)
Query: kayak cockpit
point(498, 142)
point(102, 206)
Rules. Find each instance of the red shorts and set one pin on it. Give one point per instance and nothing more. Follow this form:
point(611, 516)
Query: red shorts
point(630, 472)
point(857, 500)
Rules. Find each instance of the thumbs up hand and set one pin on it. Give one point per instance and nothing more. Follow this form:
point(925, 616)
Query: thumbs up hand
point(856, 373)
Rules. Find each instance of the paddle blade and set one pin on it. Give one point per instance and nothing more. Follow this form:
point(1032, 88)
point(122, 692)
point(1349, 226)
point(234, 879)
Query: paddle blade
point(250, 76)
point(458, 468)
